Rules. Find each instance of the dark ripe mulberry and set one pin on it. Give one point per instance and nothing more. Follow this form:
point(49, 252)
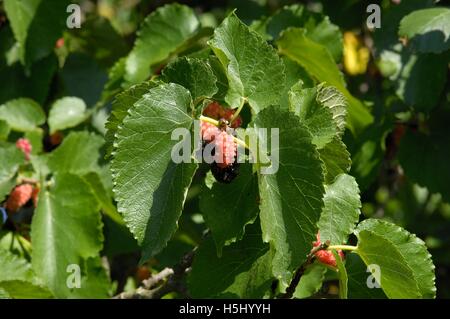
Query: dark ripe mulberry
point(225, 174)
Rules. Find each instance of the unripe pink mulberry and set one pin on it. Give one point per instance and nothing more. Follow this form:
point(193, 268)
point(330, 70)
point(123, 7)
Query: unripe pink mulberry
point(19, 197)
point(25, 146)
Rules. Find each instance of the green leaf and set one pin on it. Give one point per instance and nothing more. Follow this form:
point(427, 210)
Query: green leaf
point(317, 60)
point(22, 114)
point(342, 273)
point(311, 281)
point(120, 106)
point(194, 74)
point(428, 30)
point(357, 280)
point(341, 211)
point(424, 155)
point(36, 138)
point(4, 130)
point(294, 74)
point(318, 27)
point(78, 154)
point(17, 278)
point(10, 160)
point(228, 208)
point(336, 159)
point(95, 283)
point(18, 289)
point(413, 83)
point(66, 113)
point(256, 74)
point(407, 270)
point(321, 109)
point(104, 199)
point(221, 77)
point(162, 33)
point(36, 24)
point(291, 198)
point(243, 270)
point(66, 230)
point(150, 188)
point(14, 267)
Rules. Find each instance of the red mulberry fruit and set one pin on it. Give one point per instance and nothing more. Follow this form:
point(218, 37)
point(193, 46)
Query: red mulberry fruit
point(326, 256)
point(213, 110)
point(25, 146)
point(19, 197)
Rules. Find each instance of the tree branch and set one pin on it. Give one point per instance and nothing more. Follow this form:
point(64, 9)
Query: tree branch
point(166, 281)
point(300, 271)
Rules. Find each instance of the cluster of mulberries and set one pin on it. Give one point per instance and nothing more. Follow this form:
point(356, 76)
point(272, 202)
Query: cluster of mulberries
point(224, 166)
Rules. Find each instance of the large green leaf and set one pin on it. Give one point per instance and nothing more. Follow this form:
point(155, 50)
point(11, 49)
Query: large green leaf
point(37, 24)
point(22, 114)
point(256, 74)
point(243, 270)
point(291, 198)
point(194, 74)
point(66, 113)
point(163, 32)
point(341, 211)
point(407, 270)
point(120, 106)
point(78, 154)
point(10, 160)
point(150, 188)
point(317, 60)
point(66, 230)
point(228, 208)
point(336, 159)
point(428, 30)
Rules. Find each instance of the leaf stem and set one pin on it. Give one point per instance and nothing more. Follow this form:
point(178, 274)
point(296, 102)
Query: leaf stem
point(216, 123)
point(240, 142)
point(236, 114)
point(342, 247)
point(209, 120)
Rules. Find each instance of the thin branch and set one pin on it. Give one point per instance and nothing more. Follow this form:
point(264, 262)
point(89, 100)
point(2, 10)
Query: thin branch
point(166, 281)
point(301, 270)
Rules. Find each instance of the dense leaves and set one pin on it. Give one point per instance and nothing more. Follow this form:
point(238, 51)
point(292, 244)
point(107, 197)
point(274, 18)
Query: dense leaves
point(100, 141)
